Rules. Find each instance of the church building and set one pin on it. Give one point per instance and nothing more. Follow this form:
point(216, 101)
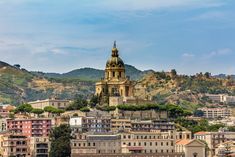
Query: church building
point(115, 82)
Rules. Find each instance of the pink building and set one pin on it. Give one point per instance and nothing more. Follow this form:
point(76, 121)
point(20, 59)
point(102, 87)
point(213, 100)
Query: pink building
point(30, 127)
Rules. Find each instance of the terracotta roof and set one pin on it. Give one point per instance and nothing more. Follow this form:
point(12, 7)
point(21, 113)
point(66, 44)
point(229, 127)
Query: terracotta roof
point(183, 142)
point(201, 133)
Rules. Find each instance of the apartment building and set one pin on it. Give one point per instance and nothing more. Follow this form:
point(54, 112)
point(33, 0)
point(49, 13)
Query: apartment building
point(123, 144)
point(41, 104)
point(152, 125)
point(148, 142)
point(120, 124)
point(14, 145)
point(212, 113)
point(90, 124)
point(39, 146)
point(224, 98)
point(106, 124)
point(216, 97)
point(215, 138)
point(94, 143)
point(30, 127)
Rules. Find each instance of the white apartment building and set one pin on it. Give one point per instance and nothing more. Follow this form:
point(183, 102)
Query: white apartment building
point(216, 112)
point(224, 98)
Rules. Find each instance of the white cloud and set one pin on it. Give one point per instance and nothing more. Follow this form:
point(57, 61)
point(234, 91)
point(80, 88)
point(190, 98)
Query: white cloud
point(135, 5)
point(219, 52)
point(214, 15)
point(188, 55)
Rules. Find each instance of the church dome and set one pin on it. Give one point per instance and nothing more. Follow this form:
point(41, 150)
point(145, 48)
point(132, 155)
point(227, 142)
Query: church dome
point(115, 60)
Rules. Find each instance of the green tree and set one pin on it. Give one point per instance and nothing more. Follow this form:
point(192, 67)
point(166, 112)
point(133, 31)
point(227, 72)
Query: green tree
point(84, 109)
point(60, 141)
point(49, 109)
point(207, 75)
point(173, 73)
point(94, 101)
point(37, 111)
point(198, 113)
point(24, 108)
point(53, 110)
point(106, 108)
point(11, 115)
point(78, 103)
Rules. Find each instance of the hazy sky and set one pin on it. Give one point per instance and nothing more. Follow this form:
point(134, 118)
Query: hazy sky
point(61, 35)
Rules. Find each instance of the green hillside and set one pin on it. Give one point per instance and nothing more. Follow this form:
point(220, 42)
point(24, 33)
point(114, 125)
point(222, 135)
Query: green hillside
point(92, 74)
point(18, 85)
point(187, 91)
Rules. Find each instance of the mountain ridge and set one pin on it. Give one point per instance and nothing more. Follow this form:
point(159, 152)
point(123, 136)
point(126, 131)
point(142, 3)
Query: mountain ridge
point(18, 85)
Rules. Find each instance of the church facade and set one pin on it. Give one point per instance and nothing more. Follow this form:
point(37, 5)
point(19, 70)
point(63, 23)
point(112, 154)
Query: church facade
point(115, 82)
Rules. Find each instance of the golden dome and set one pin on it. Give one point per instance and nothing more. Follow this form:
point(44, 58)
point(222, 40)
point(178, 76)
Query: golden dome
point(115, 60)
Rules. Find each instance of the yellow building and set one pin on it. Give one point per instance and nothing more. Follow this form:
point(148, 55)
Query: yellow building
point(115, 82)
point(41, 104)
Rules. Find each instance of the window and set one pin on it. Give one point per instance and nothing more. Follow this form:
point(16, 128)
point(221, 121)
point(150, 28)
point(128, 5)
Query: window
point(195, 154)
point(156, 143)
point(113, 74)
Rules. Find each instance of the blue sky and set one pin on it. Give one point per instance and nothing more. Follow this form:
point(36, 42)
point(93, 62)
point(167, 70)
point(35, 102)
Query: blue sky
point(61, 35)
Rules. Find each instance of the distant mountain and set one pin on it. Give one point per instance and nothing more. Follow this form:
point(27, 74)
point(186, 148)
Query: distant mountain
point(3, 64)
point(93, 74)
point(18, 85)
point(223, 76)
